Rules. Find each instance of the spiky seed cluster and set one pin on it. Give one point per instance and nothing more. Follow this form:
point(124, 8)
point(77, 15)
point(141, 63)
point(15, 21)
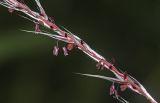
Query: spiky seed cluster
point(41, 18)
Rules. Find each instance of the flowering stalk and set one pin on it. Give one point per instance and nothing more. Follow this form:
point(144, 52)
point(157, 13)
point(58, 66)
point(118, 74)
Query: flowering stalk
point(73, 41)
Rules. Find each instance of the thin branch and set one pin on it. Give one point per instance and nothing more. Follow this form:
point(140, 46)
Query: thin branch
point(41, 18)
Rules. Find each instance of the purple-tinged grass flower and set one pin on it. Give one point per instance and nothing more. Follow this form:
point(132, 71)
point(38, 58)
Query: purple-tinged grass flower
point(55, 50)
point(70, 46)
point(65, 51)
point(113, 90)
point(37, 29)
point(100, 64)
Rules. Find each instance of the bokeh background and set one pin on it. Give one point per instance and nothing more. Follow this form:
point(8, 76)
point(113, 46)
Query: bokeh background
point(126, 30)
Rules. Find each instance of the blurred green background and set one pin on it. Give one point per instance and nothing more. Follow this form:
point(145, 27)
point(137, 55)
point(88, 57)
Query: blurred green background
point(126, 30)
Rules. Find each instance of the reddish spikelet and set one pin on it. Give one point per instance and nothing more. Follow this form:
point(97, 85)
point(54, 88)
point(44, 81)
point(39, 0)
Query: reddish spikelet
point(37, 29)
point(70, 46)
point(100, 64)
point(65, 51)
point(55, 50)
point(112, 89)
